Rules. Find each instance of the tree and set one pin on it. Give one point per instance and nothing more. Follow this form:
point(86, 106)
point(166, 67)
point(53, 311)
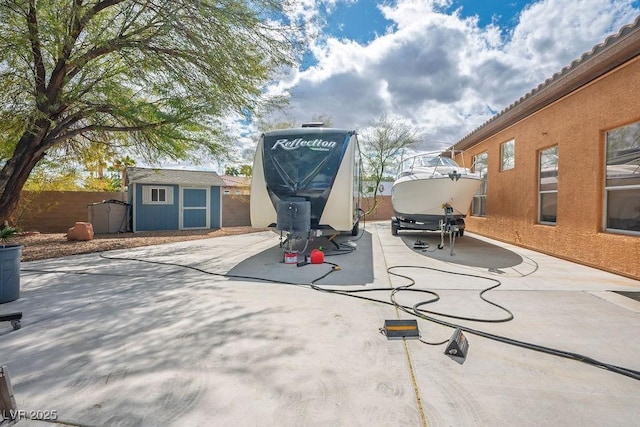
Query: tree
point(382, 143)
point(246, 170)
point(96, 157)
point(262, 125)
point(323, 118)
point(154, 78)
point(53, 175)
point(120, 165)
point(231, 171)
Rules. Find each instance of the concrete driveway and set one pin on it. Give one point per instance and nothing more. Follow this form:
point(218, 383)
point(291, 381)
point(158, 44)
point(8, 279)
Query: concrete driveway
point(172, 341)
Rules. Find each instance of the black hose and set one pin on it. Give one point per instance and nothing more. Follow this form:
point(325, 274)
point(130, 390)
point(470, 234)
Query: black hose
point(415, 310)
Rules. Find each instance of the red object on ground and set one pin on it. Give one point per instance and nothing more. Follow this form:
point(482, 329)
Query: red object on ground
point(290, 257)
point(317, 256)
point(81, 231)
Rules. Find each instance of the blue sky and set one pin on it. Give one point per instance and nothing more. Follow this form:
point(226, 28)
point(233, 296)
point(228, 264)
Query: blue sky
point(444, 67)
point(362, 20)
point(503, 13)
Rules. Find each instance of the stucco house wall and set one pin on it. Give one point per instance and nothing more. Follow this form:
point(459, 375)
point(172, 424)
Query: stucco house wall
point(577, 124)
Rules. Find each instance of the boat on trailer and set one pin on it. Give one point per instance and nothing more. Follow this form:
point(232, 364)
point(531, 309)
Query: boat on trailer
point(432, 192)
point(307, 182)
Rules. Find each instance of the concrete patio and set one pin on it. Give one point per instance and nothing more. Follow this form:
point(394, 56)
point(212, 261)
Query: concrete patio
point(120, 342)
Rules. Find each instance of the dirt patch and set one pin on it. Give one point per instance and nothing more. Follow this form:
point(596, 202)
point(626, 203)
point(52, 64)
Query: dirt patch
point(54, 245)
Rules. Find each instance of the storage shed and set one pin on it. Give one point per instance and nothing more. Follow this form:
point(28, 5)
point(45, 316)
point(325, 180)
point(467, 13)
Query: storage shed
point(170, 199)
point(109, 216)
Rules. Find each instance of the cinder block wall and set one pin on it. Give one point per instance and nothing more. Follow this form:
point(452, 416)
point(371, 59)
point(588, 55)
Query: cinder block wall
point(57, 211)
point(235, 210)
point(384, 211)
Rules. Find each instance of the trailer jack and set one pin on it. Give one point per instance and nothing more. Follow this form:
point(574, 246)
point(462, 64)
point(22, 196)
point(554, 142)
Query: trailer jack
point(448, 225)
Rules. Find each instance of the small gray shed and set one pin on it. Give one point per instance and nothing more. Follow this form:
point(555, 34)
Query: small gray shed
point(110, 216)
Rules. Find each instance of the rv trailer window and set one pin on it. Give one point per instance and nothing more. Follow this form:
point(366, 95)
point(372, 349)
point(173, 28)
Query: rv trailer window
point(622, 188)
point(303, 164)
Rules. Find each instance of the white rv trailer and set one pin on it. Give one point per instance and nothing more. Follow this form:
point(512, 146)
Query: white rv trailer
point(307, 180)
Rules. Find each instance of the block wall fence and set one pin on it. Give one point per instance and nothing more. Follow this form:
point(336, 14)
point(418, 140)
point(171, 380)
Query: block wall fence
point(57, 211)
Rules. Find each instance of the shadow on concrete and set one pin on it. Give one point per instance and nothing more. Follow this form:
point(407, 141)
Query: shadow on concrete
point(633, 295)
point(466, 250)
point(143, 331)
point(354, 256)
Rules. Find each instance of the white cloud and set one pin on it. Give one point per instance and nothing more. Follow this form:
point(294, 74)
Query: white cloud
point(553, 33)
point(444, 73)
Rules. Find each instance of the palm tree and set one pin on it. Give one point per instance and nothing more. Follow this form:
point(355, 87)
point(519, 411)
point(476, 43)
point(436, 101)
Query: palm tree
point(120, 165)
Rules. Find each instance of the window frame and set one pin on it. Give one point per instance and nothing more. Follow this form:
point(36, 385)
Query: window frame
point(481, 194)
point(147, 195)
point(508, 163)
point(552, 191)
point(608, 189)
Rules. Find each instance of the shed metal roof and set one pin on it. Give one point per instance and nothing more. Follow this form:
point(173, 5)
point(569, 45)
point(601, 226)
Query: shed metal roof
point(172, 176)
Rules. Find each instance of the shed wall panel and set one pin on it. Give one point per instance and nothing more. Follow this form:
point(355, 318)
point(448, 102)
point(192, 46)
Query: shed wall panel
point(215, 210)
point(156, 217)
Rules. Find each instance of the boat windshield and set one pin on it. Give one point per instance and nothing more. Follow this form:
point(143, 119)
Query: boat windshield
point(428, 161)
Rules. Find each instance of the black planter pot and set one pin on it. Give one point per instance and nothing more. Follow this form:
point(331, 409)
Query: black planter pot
point(10, 272)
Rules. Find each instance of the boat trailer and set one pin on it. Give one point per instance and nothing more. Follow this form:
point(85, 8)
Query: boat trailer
point(447, 225)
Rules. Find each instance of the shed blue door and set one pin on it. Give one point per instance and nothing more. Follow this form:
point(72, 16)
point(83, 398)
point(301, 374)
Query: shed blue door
point(194, 208)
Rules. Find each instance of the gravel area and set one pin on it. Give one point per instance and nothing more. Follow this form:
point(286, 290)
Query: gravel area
point(54, 245)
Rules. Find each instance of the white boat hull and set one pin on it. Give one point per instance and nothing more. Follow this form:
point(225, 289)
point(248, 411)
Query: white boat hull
point(423, 199)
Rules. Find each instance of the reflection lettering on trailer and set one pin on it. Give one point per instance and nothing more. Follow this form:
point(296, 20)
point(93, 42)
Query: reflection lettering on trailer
point(314, 144)
point(303, 165)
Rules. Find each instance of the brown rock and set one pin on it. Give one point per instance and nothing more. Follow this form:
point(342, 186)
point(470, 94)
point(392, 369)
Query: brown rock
point(81, 231)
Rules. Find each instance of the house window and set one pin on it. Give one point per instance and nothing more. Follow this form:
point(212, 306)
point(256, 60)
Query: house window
point(157, 195)
point(479, 203)
point(548, 186)
point(622, 185)
point(227, 192)
point(508, 155)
